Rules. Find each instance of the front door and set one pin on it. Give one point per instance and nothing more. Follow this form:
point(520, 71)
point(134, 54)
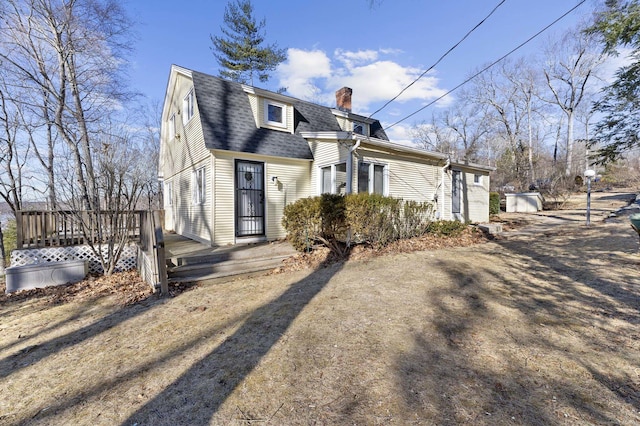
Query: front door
point(249, 198)
point(456, 189)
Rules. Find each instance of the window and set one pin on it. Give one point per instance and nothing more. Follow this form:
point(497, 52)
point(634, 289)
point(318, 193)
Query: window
point(275, 114)
point(372, 178)
point(168, 193)
point(361, 128)
point(477, 179)
point(198, 185)
point(187, 107)
point(333, 179)
point(172, 126)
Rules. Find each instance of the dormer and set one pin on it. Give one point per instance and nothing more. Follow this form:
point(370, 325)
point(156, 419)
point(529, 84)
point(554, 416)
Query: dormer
point(270, 110)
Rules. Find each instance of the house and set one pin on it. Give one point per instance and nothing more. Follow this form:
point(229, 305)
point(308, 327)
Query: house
point(232, 156)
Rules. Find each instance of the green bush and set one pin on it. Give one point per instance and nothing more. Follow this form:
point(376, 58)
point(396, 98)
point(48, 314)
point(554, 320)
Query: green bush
point(446, 228)
point(494, 203)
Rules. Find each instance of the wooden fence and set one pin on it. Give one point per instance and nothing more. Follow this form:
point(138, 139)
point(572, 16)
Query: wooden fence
point(61, 228)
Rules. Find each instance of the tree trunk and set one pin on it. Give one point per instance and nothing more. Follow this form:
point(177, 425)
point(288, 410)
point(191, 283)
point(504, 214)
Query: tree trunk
point(3, 254)
point(569, 164)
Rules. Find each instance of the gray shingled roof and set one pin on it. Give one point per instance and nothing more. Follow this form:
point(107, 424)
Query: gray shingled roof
point(228, 123)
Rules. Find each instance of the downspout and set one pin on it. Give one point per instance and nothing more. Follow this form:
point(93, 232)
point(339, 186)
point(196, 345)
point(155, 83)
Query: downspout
point(442, 188)
point(350, 166)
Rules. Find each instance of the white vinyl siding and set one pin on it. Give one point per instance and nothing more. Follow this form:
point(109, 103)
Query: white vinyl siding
point(408, 177)
point(292, 183)
point(327, 153)
point(191, 149)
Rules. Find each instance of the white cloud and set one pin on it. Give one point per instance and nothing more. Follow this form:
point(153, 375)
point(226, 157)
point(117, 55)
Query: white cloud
point(312, 75)
point(351, 59)
point(400, 134)
point(299, 74)
point(382, 80)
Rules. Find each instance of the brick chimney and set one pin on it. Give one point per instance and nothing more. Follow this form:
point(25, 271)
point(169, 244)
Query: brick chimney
point(343, 99)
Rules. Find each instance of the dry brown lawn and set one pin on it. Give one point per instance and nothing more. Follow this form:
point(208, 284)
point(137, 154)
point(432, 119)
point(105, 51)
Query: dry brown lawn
point(533, 328)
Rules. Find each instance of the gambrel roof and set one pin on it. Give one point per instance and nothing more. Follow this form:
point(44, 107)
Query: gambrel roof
point(228, 122)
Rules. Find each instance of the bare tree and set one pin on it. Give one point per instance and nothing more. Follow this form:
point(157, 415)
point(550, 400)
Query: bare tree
point(434, 136)
point(507, 110)
point(571, 63)
point(71, 52)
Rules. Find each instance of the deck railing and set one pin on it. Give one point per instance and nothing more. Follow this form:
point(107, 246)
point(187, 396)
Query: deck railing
point(59, 228)
point(151, 257)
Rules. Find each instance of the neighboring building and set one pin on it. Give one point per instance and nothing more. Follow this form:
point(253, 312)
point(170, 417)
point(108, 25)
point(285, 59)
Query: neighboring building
point(232, 156)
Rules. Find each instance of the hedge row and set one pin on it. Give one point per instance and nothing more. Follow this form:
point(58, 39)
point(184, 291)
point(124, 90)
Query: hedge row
point(338, 221)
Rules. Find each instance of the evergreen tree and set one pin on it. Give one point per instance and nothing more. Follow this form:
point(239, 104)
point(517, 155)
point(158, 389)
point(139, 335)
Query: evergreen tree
point(241, 52)
point(619, 130)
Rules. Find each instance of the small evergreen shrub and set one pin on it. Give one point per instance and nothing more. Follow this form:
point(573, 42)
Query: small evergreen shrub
point(446, 228)
point(494, 203)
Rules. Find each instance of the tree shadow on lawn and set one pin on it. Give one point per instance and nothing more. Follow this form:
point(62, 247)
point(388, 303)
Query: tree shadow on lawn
point(548, 281)
point(197, 394)
point(33, 354)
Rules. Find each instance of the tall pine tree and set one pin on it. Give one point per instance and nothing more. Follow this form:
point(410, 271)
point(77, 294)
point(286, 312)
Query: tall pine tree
point(619, 129)
point(240, 50)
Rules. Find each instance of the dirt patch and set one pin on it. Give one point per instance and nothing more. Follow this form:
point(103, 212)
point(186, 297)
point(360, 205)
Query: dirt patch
point(531, 328)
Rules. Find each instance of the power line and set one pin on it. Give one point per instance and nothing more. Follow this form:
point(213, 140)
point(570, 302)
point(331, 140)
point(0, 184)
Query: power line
point(439, 60)
point(488, 66)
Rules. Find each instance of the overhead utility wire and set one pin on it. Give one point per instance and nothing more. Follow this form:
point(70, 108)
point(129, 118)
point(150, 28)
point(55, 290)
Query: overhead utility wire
point(488, 66)
point(439, 60)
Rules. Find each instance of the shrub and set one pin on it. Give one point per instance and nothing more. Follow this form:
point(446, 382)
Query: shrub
point(303, 222)
point(336, 220)
point(446, 228)
point(494, 203)
point(377, 220)
point(316, 219)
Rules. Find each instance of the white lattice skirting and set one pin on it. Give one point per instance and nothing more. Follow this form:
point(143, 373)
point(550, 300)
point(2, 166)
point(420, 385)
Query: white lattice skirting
point(127, 261)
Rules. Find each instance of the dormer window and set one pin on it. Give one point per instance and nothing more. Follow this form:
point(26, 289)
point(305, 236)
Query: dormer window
point(275, 114)
point(360, 128)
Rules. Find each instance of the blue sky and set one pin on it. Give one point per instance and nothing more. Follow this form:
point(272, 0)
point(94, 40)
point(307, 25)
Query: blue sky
point(333, 43)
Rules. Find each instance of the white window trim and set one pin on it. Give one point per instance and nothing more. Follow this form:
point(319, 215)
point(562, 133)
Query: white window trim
point(168, 192)
point(333, 177)
point(385, 176)
point(282, 124)
point(198, 197)
point(188, 107)
point(479, 182)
